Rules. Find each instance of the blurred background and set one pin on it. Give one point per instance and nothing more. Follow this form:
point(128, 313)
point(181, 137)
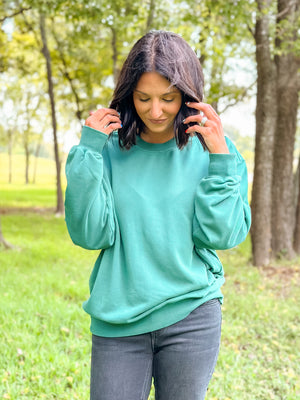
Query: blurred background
point(59, 59)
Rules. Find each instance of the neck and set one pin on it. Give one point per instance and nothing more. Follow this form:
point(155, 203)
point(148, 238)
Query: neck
point(151, 137)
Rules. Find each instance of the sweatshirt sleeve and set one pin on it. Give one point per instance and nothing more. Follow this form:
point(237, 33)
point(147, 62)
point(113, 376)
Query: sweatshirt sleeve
point(222, 216)
point(89, 206)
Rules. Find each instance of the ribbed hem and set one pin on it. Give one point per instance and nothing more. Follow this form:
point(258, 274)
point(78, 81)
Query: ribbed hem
point(93, 139)
point(161, 318)
point(222, 164)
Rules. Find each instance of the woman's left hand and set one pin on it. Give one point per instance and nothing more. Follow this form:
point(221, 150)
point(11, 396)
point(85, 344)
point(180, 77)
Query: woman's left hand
point(211, 128)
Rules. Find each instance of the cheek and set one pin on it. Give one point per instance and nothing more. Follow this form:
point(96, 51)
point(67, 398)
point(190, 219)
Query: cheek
point(175, 109)
point(138, 108)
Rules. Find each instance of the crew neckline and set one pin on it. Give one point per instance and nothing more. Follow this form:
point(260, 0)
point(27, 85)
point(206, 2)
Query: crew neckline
point(170, 144)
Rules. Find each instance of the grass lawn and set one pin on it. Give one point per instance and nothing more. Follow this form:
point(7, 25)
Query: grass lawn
point(45, 339)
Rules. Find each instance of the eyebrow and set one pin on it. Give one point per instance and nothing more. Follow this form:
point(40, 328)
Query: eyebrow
point(164, 94)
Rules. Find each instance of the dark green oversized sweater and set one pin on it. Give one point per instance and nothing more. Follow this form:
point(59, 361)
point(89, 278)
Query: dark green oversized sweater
point(158, 214)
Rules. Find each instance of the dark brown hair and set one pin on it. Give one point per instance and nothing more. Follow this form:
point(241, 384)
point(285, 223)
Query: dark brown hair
point(169, 55)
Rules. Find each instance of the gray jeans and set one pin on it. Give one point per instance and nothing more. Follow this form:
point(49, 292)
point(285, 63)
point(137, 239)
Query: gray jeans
point(181, 358)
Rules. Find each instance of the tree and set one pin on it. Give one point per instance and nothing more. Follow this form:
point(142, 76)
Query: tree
point(266, 105)
point(9, 120)
point(277, 101)
point(287, 64)
point(297, 219)
point(220, 34)
point(46, 53)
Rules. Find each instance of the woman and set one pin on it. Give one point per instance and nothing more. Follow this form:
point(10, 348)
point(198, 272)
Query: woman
point(156, 185)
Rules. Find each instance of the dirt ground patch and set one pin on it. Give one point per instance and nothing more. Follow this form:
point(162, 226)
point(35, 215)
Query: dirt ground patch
point(26, 210)
point(281, 277)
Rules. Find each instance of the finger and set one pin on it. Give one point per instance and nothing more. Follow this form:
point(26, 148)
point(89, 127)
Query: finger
point(112, 127)
point(206, 108)
point(102, 118)
point(101, 112)
point(207, 127)
point(209, 111)
point(108, 119)
point(205, 130)
point(99, 126)
point(195, 119)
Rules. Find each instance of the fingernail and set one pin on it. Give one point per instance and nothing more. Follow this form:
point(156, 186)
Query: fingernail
point(187, 103)
point(121, 126)
point(186, 131)
point(183, 121)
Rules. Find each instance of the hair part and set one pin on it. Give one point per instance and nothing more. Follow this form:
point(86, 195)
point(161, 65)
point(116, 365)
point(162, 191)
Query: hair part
point(169, 55)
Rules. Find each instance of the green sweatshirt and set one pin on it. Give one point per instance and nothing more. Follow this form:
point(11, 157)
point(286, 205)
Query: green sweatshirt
point(158, 214)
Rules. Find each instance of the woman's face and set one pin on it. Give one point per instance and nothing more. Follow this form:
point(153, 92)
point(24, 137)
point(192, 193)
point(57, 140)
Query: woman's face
point(157, 104)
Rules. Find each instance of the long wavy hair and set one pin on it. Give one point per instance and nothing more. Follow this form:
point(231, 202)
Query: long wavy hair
point(169, 55)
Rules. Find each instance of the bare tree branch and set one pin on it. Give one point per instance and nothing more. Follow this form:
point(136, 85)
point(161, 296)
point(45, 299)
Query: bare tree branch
point(251, 31)
point(66, 74)
point(21, 11)
point(31, 29)
point(239, 98)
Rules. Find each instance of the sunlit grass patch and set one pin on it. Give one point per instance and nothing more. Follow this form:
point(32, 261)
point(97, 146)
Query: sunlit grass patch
point(27, 196)
point(41, 194)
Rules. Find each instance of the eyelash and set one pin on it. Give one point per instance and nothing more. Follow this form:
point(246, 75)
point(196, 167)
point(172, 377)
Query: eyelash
point(167, 101)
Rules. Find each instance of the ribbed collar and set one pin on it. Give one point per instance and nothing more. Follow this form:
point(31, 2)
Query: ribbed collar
point(170, 144)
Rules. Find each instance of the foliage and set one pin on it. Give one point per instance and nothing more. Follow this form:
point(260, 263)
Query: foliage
point(23, 101)
point(220, 33)
point(89, 41)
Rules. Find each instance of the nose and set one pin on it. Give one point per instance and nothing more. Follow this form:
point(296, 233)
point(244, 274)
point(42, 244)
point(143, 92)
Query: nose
point(156, 109)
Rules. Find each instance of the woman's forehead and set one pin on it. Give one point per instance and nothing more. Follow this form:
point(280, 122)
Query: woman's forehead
point(153, 82)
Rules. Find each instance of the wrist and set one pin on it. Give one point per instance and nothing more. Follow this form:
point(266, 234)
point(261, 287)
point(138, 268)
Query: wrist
point(220, 150)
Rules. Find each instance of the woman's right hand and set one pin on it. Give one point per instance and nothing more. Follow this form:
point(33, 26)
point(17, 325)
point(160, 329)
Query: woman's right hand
point(105, 120)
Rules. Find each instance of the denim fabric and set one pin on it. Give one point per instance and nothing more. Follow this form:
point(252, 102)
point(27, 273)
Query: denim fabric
point(181, 358)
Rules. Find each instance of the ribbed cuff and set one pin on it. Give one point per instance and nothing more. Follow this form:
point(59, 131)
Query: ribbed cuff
point(93, 139)
point(222, 164)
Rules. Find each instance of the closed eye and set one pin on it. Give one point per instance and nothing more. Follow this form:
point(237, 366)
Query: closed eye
point(165, 100)
point(168, 100)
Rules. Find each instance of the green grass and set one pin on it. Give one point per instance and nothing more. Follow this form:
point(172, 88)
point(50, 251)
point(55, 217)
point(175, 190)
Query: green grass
point(45, 339)
point(37, 195)
point(44, 333)
point(260, 350)
point(29, 196)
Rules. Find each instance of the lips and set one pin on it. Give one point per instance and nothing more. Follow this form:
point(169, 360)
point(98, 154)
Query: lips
point(157, 121)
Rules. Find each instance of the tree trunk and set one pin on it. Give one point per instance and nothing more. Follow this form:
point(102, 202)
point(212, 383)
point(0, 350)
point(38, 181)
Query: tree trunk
point(10, 144)
point(3, 241)
point(36, 156)
point(26, 163)
point(68, 76)
point(150, 18)
point(115, 54)
point(283, 211)
point(265, 128)
point(297, 222)
point(46, 53)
